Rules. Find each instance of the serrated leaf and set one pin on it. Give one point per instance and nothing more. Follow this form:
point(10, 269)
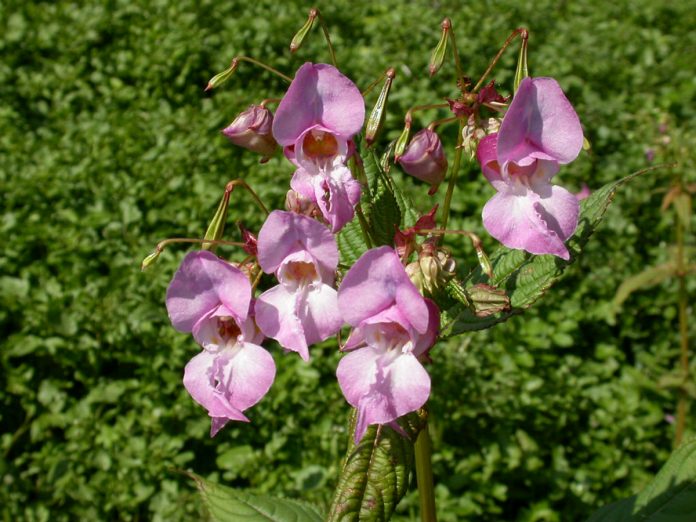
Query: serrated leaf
point(526, 277)
point(375, 474)
point(230, 505)
point(669, 497)
point(351, 243)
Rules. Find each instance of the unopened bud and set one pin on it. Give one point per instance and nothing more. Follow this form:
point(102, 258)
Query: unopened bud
point(438, 56)
point(222, 77)
point(297, 203)
point(488, 300)
point(436, 271)
point(425, 159)
point(473, 133)
point(402, 142)
point(216, 228)
point(522, 70)
point(150, 260)
point(252, 130)
point(413, 270)
point(299, 37)
point(376, 120)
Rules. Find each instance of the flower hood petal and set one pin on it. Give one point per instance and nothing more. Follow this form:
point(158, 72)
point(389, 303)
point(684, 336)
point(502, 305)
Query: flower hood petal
point(539, 124)
point(319, 95)
point(202, 282)
point(277, 316)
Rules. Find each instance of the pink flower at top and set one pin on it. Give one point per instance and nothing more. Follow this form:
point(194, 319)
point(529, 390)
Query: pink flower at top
point(539, 132)
point(212, 299)
point(315, 122)
point(425, 159)
point(393, 325)
point(303, 308)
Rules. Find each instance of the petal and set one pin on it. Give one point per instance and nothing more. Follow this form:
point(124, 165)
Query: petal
point(425, 341)
point(320, 318)
point(487, 156)
point(302, 182)
point(276, 315)
point(252, 372)
point(538, 222)
point(539, 124)
point(374, 283)
point(201, 283)
point(202, 377)
point(285, 233)
point(338, 206)
point(319, 94)
point(382, 386)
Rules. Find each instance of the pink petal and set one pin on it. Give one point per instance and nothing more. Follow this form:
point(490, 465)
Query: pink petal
point(321, 318)
point(338, 206)
point(374, 283)
point(201, 379)
point(539, 124)
point(252, 372)
point(201, 283)
point(538, 221)
point(303, 183)
point(277, 317)
point(487, 156)
point(285, 233)
point(319, 95)
point(424, 158)
point(382, 386)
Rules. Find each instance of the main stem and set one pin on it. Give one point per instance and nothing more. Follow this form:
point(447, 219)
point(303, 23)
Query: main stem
point(424, 476)
point(682, 403)
point(453, 176)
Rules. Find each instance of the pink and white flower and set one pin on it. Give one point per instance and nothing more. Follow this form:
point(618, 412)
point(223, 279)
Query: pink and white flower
point(393, 325)
point(211, 299)
point(252, 130)
point(539, 132)
point(315, 122)
point(303, 308)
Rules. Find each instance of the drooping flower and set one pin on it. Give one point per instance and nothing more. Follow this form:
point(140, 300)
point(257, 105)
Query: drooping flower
point(303, 308)
point(211, 299)
point(539, 132)
point(425, 159)
point(252, 130)
point(315, 122)
point(393, 325)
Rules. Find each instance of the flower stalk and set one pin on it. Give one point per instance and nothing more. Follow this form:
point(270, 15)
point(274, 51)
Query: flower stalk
point(424, 476)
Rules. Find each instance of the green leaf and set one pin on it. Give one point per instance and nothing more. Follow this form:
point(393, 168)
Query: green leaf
point(375, 474)
point(670, 497)
point(351, 243)
point(230, 505)
point(649, 277)
point(526, 277)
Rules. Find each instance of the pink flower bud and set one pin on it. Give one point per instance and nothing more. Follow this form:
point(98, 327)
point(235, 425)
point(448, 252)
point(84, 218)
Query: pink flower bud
point(252, 130)
point(425, 159)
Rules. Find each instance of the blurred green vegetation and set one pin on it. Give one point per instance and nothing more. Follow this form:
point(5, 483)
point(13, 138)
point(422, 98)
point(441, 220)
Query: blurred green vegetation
point(108, 144)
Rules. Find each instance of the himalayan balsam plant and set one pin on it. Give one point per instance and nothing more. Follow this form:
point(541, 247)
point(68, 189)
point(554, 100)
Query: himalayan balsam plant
point(351, 253)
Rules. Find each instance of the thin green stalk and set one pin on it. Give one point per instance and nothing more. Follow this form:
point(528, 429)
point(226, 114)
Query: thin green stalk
point(325, 29)
point(495, 59)
point(453, 176)
point(424, 476)
point(263, 66)
point(230, 186)
point(455, 52)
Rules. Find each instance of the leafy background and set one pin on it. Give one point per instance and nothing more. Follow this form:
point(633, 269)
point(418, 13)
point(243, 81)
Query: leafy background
point(108, 144)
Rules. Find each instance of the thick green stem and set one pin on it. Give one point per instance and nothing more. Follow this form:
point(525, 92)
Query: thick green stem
point(454, 173)
point(424, 476)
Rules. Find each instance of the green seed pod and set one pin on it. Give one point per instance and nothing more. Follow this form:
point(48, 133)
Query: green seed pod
point(438, 56)
point(376, 120)
point(299, 37)
point(222, 77)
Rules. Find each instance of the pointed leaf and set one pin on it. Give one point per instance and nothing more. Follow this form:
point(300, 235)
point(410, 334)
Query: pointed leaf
point(525, 277)
point(351, 243)
point(647, 278)
point(670, 497)
point(375, 474)
point(230, 505)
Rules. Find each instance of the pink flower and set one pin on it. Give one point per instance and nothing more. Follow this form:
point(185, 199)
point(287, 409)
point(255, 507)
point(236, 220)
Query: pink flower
point(211, 299)
point(425, 159)
point(583, 193)
point(252, 130)
point(539, 132)
point(315, 122)
point(303, 308)
point(393, 325)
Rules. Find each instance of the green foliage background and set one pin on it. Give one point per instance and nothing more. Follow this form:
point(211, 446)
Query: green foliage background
point(108, 144)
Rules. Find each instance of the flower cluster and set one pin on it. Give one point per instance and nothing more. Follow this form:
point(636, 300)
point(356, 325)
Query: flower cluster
point(392, 325)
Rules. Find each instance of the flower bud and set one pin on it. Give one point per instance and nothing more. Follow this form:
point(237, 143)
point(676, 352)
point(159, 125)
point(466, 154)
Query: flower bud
point(438, 56)
point(437, 271)
point(252, 130)
point(413, 270)
point(376, 120)
point(473, 133)
point(299, 37)
point(425, 159)
point(488, 300)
